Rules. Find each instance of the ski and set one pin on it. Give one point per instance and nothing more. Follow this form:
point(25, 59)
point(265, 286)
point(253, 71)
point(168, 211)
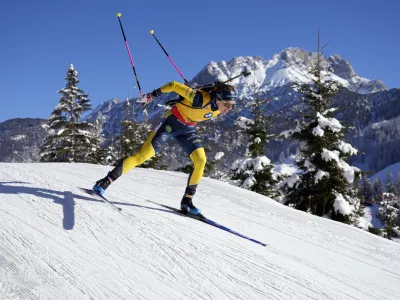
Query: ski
point(92, 192)
point(203, 219)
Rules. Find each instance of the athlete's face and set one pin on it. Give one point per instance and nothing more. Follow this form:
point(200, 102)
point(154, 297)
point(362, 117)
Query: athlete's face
point(225, 106)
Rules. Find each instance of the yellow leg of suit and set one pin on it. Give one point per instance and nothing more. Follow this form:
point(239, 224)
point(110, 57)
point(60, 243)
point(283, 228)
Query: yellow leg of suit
point(199, 159)
point(144, 154)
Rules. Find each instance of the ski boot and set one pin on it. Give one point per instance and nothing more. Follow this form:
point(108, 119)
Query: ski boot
point(188, 207)
point(101, 185)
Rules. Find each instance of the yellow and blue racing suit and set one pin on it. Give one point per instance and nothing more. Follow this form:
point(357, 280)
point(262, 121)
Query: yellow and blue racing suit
point(178, 123)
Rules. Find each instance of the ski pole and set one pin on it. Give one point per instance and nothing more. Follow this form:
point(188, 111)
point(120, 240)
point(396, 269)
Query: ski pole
point(169, 57)
point(129, 53)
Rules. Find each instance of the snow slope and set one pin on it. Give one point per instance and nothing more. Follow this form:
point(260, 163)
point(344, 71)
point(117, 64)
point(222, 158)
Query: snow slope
point(383, 174)
point(57, 242)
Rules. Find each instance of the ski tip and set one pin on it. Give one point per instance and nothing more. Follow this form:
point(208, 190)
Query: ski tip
point(118, 15)
point(152, 31)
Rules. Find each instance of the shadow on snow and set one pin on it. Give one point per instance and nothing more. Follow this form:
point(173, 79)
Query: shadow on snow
point(64, 198)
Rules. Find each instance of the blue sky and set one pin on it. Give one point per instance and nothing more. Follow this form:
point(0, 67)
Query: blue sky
point(40, 38)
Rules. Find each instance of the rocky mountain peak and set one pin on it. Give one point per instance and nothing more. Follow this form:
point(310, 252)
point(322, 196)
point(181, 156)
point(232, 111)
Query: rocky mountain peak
point(288, 66)
point(341, 67)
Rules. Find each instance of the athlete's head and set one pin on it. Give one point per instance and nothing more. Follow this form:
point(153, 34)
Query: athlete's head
point(225, 97)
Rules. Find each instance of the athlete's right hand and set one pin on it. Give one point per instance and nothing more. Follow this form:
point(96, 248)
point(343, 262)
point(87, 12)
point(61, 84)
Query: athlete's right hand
point(144, 99)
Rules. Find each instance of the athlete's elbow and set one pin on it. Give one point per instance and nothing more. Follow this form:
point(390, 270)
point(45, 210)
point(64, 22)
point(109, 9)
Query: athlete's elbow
point(169, 87)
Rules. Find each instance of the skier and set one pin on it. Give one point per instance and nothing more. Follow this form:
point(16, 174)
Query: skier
point(179, 123)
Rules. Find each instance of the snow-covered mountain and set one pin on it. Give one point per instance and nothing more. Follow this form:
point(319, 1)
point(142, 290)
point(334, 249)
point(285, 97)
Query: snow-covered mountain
point(105, 114)
point(383, 174)
point(56, 242)
point(291, 65)
point(20, 139)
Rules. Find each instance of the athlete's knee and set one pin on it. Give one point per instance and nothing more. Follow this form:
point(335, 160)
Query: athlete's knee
point(199, 158)
point(144, 154)
point(199, 161)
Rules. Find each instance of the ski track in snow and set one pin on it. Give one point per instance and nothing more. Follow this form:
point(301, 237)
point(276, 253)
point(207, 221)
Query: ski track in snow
point(57, 242)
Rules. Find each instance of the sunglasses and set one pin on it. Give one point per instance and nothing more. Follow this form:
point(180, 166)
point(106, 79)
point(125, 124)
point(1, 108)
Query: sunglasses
point(228, 105)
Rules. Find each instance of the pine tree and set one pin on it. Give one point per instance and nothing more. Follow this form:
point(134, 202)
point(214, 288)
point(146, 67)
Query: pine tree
point(213, 166)
point(107, 155)
point(388, 214)
point(398, 184)
point(70, 139)
point(390, 184)
point(377, 188)
point(254, 172)
point(366, 191)
point(323, 184)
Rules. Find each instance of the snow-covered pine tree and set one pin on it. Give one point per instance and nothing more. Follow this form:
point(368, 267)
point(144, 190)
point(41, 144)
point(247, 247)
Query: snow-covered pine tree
point(107, 155)
point(254, 171)
point(388, 214)
point(366, 191)
point(390, 184)
point(70, 139)
point(323, 184)
point(213, 167)
point(128, 142)
point(377, 187)
point(398, 184)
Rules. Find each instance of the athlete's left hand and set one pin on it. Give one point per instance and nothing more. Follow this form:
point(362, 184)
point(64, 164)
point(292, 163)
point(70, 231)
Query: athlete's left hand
point(145, 99)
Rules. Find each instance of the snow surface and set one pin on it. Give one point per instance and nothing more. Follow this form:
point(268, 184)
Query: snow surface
point(56, 242)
